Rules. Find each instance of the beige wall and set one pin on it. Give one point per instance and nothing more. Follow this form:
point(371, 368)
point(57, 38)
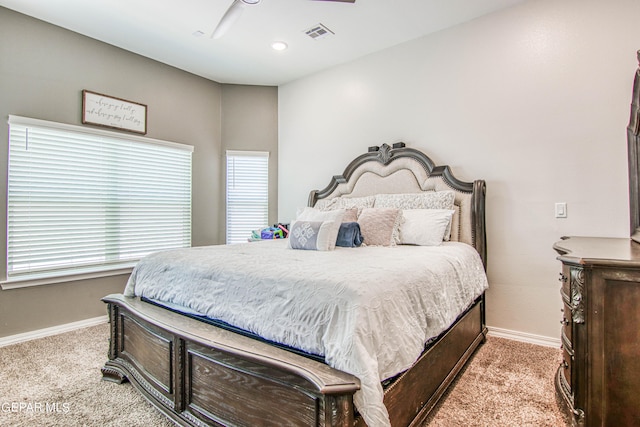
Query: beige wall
point(534, 99)
point(42, 73)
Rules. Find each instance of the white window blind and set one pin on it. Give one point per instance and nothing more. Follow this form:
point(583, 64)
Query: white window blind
point(247, 194)
point(83, 199)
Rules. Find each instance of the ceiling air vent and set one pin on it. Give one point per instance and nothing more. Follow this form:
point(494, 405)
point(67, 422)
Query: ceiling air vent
point(318, 31)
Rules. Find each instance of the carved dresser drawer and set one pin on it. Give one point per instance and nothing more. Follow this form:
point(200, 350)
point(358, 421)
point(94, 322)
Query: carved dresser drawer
point(599, 377)
point(565, 374)
point(565, 293)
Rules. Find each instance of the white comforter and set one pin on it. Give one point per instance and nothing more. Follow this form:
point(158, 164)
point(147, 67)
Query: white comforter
point(368, 310)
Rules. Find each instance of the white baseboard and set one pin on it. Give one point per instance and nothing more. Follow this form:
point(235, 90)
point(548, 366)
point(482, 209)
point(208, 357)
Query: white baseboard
point(524, 337)
point(54, 330)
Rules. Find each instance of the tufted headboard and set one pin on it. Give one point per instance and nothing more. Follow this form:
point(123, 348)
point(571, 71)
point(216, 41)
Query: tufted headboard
point(398, 169)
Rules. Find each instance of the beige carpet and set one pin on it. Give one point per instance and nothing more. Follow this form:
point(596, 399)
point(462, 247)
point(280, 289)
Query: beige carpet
point(56, 381)
point(508, 383)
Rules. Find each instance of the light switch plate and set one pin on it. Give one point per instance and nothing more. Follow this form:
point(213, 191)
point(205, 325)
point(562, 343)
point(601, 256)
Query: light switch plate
point(561, 210)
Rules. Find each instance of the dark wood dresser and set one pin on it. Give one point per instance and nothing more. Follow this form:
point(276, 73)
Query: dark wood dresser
point(599, 377)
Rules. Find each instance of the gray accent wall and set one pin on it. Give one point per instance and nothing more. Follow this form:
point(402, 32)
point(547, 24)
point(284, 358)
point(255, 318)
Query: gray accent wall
point(43, 70)
point(249, 122)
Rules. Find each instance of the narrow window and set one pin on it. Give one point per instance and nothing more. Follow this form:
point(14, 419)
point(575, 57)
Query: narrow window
point(247, 194)
point(84, 200)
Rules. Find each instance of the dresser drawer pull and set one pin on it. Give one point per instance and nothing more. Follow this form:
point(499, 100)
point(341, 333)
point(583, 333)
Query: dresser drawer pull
point(564, 321)
point(579, 413)
point(562, 278)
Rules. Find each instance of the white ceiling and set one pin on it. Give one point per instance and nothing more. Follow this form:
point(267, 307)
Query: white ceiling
point(164, 30)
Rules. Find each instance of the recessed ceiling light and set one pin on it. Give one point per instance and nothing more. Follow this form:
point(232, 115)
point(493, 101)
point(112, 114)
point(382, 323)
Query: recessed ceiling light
point(279, 45)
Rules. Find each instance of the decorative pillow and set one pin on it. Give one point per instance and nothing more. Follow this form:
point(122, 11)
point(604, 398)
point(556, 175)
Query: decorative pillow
point(340, 215)
point(379, 226)
point(424, 227)
point(350, 215)
point(346, 203)
point(313, 235)
point(426, 200)
point(325, 204)
point(349, 235)
point(315, 215)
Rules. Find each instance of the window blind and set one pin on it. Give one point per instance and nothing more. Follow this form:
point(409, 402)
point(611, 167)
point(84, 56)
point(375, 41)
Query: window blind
point(247, 194)
point(82, 199)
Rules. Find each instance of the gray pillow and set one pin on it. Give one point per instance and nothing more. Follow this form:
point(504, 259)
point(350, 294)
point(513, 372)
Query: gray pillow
point(313, 235)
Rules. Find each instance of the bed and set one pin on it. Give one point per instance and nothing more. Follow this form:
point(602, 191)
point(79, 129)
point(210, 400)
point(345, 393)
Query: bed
point(267, 353)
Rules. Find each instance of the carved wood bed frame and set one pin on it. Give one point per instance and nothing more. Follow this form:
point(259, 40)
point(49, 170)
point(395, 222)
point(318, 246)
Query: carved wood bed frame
point(198, 374)
point(633, 156)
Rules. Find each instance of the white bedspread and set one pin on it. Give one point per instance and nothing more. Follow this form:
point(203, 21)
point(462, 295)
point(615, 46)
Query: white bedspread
point(368, 310)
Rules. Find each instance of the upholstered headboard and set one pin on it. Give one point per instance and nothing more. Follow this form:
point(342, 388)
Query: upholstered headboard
point(398, 169)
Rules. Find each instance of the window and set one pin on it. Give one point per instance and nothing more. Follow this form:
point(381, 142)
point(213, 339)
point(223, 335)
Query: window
point(84, 200)
point(247, 194)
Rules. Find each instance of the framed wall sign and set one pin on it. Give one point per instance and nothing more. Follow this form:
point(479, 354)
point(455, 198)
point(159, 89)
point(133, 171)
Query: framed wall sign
point(115, 113)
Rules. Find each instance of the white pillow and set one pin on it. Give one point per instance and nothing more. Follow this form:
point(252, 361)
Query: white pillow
point(330, 232)
point(424, 227)
point(313, 214)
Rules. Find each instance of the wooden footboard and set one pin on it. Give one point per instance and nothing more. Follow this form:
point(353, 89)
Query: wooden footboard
point(198, 374)
point(414, 394)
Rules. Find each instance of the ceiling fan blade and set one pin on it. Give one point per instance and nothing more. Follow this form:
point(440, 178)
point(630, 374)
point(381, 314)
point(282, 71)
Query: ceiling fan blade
point(228, 19)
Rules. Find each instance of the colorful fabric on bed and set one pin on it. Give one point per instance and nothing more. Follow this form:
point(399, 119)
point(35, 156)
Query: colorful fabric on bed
point(369, 310)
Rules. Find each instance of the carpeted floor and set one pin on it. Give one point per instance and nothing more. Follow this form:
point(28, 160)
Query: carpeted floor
point(508, 383)
point(56, 381)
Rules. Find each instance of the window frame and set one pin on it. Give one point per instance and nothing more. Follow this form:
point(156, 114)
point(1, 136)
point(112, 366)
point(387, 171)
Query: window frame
point(104, 268)
point(246, 154)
